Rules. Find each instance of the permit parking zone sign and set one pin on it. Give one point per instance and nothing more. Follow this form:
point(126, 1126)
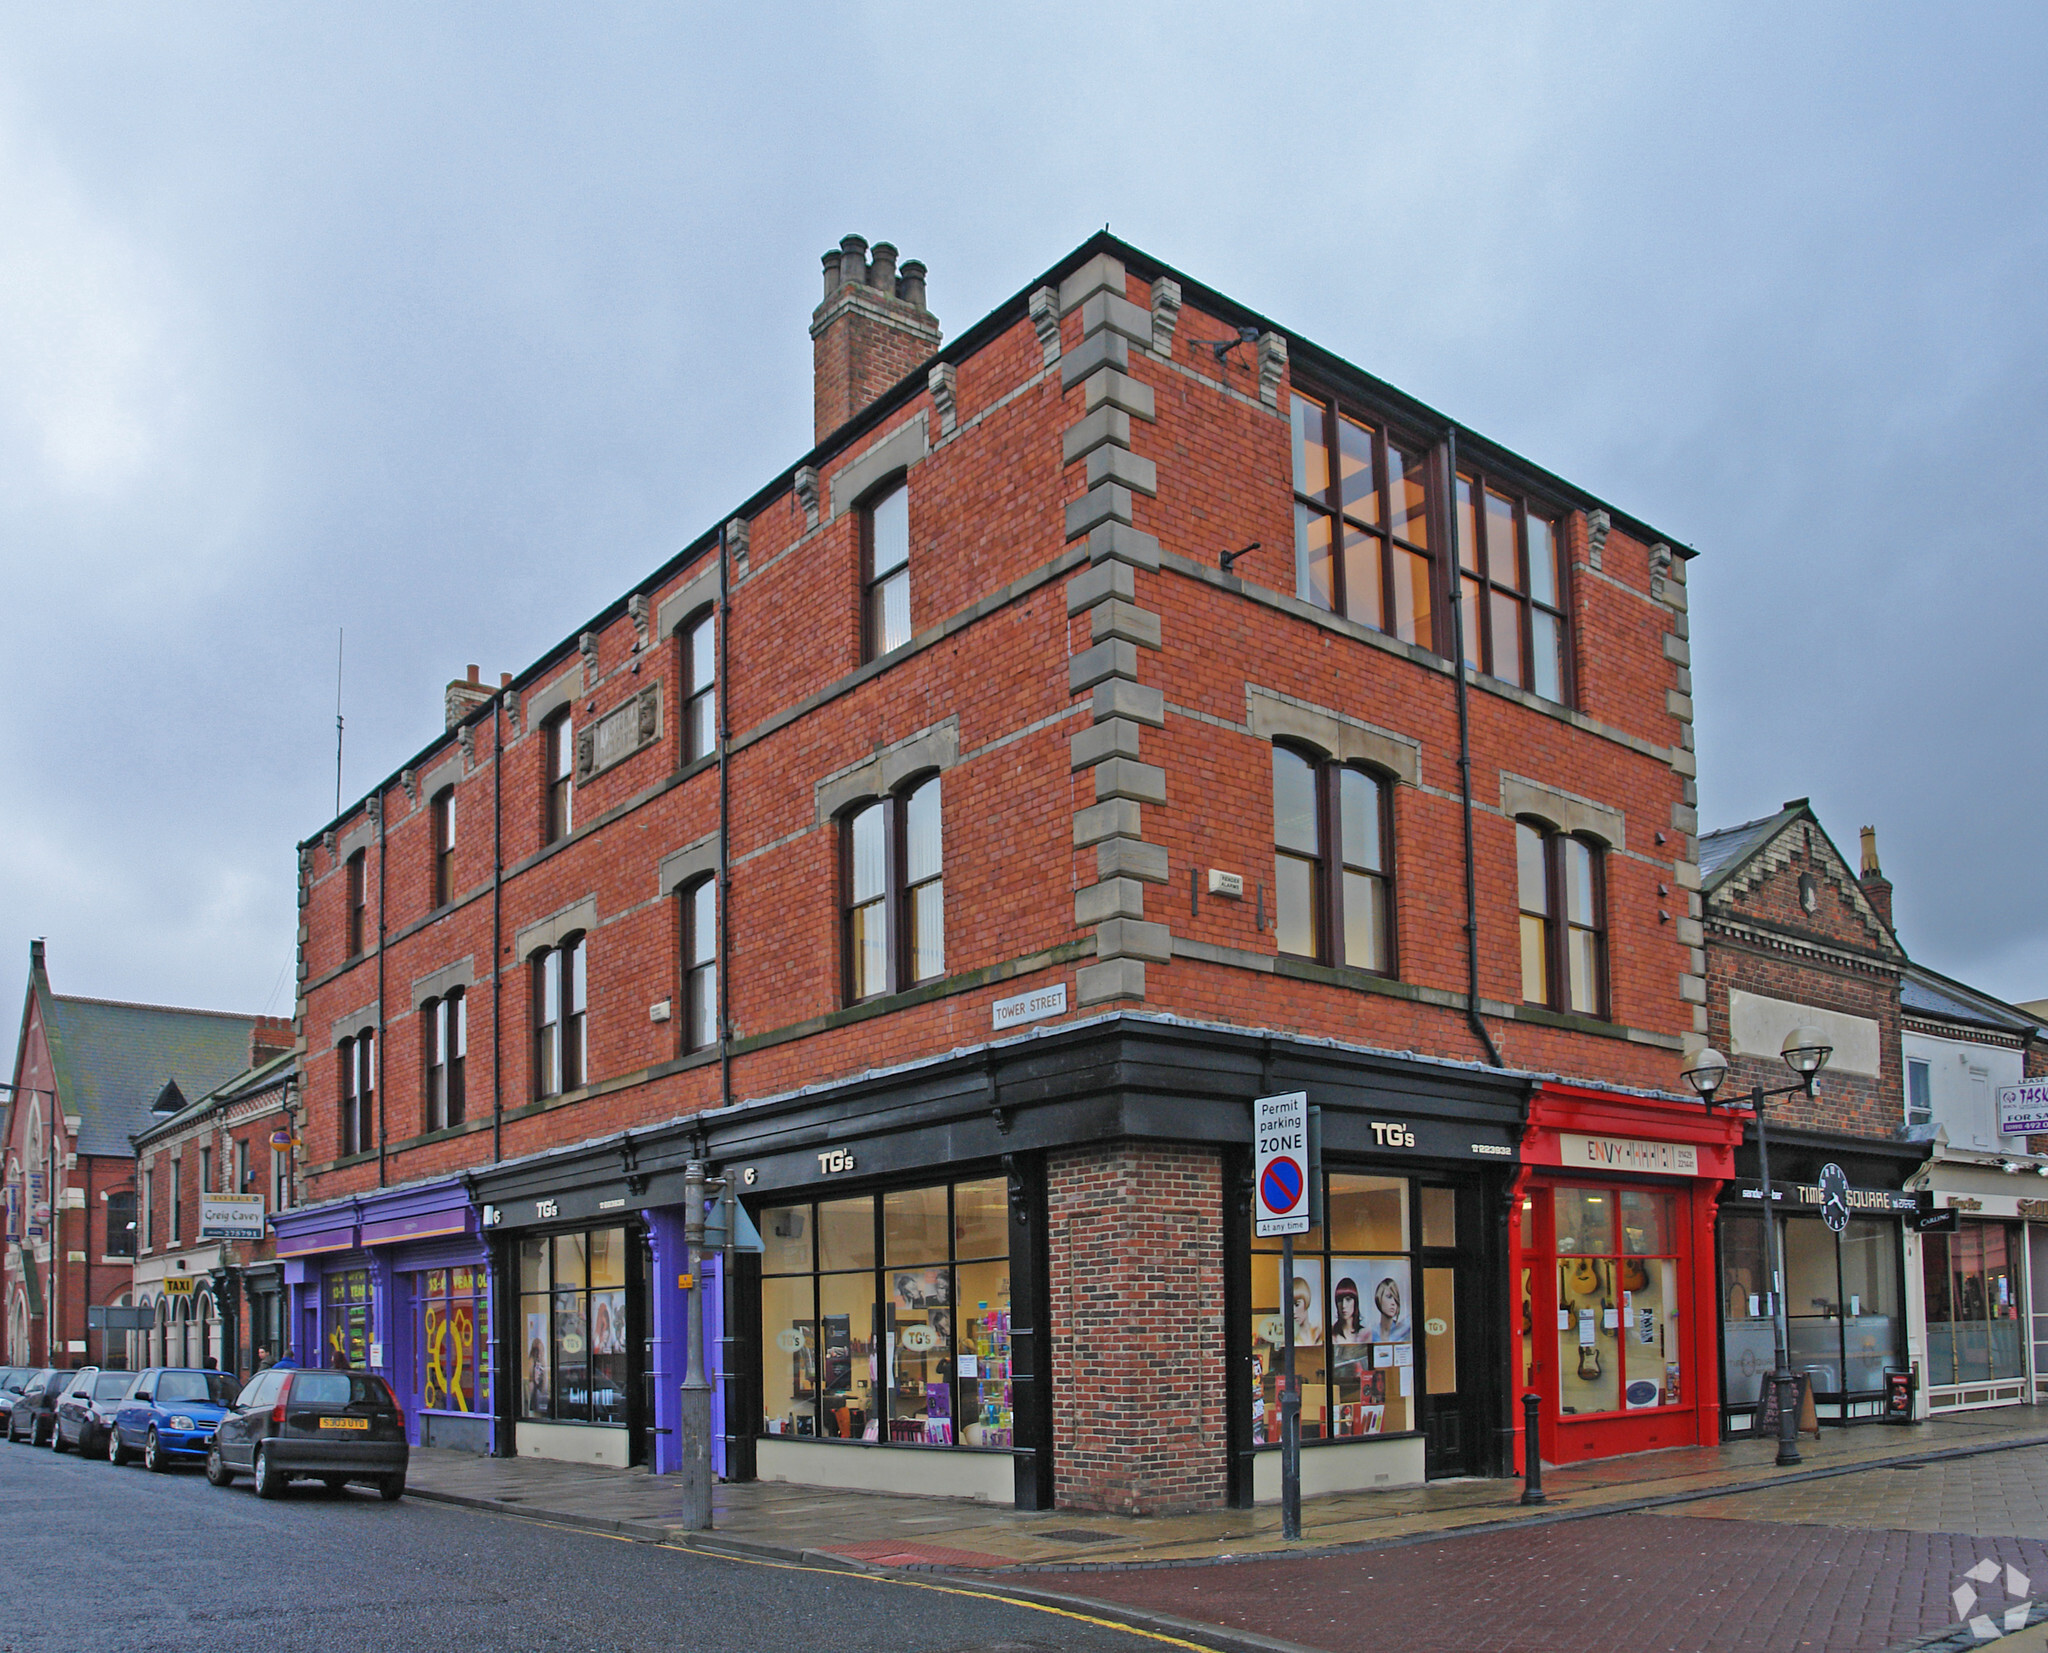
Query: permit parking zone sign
point(1280, 1168)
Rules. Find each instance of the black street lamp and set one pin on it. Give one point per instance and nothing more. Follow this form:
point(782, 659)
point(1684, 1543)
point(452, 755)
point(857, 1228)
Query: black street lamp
point(1806, 1051)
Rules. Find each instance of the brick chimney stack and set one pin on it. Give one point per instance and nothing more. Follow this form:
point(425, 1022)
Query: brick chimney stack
point(871, 330)
point(1876, 887)
point(464, 697)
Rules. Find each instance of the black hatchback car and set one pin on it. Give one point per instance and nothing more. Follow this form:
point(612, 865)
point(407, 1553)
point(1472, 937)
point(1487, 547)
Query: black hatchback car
point(331, 1426)
point(34, 1417)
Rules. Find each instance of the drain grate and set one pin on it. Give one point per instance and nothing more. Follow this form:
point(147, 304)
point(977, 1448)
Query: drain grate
point(1077, 1535)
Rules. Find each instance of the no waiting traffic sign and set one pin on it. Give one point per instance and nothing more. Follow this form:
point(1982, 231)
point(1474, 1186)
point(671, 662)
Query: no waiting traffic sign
point(1279, 1173)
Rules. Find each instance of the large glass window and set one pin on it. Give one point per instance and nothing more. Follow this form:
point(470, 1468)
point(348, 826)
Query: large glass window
point(559, 756)
point(358, 900)
point(1619, 1299)
point(121, 1224)
point(356, 1062)
point(444, 846)
point(1972, 1280)
point(700, 964)
point(887, 1317)
point(1354, 1299)
point(893, 893)
point(445, 1029)
point(1513, 594)
point(700, 684)
point(572, 1327)
point(560, 991)
point(1560, 885)
point(1362, 520)
point(348, 1318)
point(885, 532)
point(452, 1338)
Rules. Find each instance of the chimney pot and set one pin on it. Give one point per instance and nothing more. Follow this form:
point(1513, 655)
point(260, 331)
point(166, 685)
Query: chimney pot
point(1869, 851)
point(831, 263)
point(474, 674)
point(853, 260)
point(504, 680)
point(882, 272)
point(910, 285)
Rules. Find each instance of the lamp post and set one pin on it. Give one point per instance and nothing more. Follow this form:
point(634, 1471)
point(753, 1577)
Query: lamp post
point(1806, 1051)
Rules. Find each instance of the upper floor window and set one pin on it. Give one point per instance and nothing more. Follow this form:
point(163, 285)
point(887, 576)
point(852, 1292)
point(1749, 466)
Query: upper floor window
point(177, 1204)
point(1335, 909)
point(559, 997)
point(1362, 521)
point(444, 846)
point(1919, 1091)
point(146, 1183)
point(894, 900)
point(280, 1179)
point(561, 776)
point(357, 1062)
point(700, 964)
point(241, 1165)
point(358, 900)
point(206, 1173)
point(885, 551)
point(1514, 598)
point(121, 1224)
point(700, 680)
point(1564, 920)
point(446, 1033)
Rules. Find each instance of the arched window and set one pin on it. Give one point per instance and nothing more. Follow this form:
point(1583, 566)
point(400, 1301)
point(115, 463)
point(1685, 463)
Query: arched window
point(700, 686)
point(559, 995)
point(560, 758)
point(893, 900)
point(1562, 895)
point(444, 846)
point(1337, 912)
point(885, 552)
point(700, 964)
point(445, 1033)
point(356, 1062)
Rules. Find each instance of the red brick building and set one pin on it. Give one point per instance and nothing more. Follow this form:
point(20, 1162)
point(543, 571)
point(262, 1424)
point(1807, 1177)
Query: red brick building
point(87, 1074)
point(1123, 711)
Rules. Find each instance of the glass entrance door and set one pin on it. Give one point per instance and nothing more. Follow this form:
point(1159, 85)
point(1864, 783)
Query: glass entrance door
point(1450, 1422)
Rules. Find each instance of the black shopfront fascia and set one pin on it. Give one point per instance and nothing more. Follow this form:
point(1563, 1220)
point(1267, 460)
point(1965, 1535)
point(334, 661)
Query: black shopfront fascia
point(1002, 1109)
point(1876, 1170)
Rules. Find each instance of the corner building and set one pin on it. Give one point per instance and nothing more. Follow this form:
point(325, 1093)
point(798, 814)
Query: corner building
point(1125, 710)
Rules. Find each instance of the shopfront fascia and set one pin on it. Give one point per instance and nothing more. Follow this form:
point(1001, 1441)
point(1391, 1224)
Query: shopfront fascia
point(1420, 1157)
point(1977, 1285)
point(1846, 1304)
point(1613, 1249)
point(397, 1283)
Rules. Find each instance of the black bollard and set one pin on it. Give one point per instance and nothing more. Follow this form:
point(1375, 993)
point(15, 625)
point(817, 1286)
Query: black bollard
point(1532, 1450)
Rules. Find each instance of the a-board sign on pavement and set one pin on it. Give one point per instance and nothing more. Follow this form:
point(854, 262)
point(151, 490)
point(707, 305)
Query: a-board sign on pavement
point(1280, 1168)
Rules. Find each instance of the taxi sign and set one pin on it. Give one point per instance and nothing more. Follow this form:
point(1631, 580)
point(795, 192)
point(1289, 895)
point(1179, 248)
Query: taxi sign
point(1280, 1169)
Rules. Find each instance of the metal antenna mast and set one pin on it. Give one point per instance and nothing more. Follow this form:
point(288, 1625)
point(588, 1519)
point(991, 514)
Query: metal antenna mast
point(339, 635)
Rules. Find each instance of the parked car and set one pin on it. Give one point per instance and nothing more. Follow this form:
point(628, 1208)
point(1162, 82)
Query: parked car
point(11, 1380)
point(75, 1392)
point(336, 1426)
point(85, 1411)
point(33, 1416)
point(169, 1415)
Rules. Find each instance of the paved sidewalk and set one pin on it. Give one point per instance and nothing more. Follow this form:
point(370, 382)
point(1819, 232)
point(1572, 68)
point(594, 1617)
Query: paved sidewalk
point(878, 1529)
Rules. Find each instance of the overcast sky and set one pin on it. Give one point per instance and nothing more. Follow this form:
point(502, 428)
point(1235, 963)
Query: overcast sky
point(443, 324)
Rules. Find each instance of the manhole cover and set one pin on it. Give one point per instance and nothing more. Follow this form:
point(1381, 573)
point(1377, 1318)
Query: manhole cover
point(1077, 1535)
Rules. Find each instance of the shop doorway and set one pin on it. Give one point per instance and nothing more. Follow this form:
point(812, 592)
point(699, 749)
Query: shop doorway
point(1451, 1421)
point(2037, 1277)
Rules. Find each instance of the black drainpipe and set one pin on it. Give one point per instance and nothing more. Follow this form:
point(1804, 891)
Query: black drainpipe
point(1465, 769)
point(383, 855)
point(723, 949)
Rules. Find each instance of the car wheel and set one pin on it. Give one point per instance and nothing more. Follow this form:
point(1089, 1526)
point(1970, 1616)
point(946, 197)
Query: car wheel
point(269, 1482)
point(391, 1488)
point(117, 1454)
point(217, 1470)
point(336, 1484)
point(153, 1453)
point(57, 1438)
point(35, 1433)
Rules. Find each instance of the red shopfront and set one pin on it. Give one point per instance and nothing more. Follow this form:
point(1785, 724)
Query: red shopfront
point(1613, 1246)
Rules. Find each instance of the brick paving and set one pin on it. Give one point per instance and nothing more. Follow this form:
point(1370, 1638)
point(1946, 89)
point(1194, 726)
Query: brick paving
point(1647, 1584)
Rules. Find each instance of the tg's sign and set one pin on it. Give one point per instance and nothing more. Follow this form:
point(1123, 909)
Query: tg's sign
point(1280, 1169)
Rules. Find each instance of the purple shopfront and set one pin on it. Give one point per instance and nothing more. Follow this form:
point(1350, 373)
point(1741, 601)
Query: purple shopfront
point(399, 1283)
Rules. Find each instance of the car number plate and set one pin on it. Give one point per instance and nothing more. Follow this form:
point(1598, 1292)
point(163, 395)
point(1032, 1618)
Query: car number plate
point(344, 1423)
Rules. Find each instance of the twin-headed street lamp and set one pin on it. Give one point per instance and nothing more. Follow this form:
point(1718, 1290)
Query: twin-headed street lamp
point(1806, 1051)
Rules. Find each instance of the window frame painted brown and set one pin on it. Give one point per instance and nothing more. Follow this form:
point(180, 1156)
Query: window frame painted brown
point(699, 974)
point(358, 1070)
point(1328, 866)
point(442, 819)
point(698, 637)
point(1484, 588)
point(1558, 926)
point(558, 777)
point(872, 583)
point(565, 1036)
point(1333, 507)
point(358, 898)
point(445, 1047)
point(897, 897)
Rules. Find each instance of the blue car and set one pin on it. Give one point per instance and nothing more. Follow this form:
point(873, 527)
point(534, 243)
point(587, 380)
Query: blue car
point(170, 1416)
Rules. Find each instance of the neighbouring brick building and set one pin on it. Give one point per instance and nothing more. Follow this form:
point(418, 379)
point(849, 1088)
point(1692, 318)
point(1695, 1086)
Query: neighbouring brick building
point(87, 1073)
point(207, 1175)
point(1123, 711)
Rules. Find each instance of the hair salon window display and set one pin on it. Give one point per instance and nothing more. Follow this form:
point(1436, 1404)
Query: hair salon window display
point(1355, 1348)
